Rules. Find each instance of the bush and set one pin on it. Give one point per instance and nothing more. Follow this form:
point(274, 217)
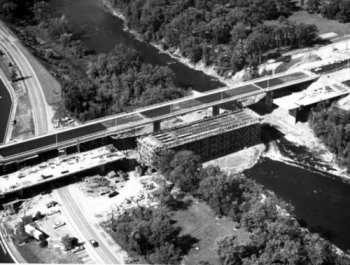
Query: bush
point(43, 243)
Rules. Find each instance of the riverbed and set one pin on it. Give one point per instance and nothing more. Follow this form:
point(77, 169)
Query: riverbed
point(321, 199)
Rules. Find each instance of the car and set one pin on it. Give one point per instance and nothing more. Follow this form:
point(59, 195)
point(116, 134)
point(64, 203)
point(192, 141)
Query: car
point(129, 260)
point(58, 224)
point(104, 192)
point(112, 194)
point(53, 211)
point(51, 204)
point(77, 249)
point(94, 243)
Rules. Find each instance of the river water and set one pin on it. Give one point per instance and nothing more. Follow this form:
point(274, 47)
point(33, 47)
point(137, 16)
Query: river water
point(321, 200)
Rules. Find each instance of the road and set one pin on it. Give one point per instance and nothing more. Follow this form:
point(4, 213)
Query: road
point(286, 66)
point(37, 99)
point(104, 254)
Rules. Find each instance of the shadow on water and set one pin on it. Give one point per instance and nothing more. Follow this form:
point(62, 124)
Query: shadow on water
point(270, 133)
point(320, 199)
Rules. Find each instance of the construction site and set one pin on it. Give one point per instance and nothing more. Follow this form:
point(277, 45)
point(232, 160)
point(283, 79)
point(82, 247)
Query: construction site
point(211, 137)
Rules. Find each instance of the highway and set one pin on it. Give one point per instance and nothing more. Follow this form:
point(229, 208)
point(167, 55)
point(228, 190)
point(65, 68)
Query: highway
point(40, 117)
point(329, 68)
point(140, 117)
point(104, 254)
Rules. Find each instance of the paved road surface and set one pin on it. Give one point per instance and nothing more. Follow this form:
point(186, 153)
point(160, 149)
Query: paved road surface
point(105, 254)
point(37, 99)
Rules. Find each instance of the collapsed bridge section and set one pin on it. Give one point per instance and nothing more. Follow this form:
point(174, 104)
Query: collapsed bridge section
point(208, 138)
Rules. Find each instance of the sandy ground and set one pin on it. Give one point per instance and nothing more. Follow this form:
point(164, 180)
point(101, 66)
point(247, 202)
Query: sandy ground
point(239, 161)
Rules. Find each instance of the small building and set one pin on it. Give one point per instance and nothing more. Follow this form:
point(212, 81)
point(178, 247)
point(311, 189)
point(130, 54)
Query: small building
point(32, 231)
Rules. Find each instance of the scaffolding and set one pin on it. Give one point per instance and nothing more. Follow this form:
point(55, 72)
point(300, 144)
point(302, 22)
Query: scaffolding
point(209, 138)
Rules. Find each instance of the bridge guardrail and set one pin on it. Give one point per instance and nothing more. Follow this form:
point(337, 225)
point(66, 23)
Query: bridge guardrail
point(122, 127)
point(110, 117)
point(144, 122)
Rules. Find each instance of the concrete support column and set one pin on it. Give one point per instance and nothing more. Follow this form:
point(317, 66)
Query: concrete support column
point(102, 168)
point(216, 111)
point(156, 126)
point(269, 99)
point(292, 118)
point(78, 145)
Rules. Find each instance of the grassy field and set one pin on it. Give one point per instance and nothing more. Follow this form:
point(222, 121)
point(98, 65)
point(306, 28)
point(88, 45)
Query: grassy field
point(324, 25)
point(32, 253)
point(199, 221)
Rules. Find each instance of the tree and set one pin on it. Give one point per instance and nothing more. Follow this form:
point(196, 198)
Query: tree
point(38, 215)
point(68, 242)
point(230, 251)
point(21, 235)
point(43, 243)
point(221, 192)
point(165, 254)
point(185, 170)
point(13, 74)
point(312, 6)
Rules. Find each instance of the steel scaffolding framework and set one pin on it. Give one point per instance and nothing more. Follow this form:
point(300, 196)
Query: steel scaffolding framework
point(208, 138)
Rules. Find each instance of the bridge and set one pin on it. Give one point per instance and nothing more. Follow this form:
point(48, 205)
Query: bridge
point(154, 114)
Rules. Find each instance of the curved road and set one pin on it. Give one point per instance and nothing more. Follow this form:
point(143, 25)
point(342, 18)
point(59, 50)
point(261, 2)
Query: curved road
point(102, 251)
point(40, 117)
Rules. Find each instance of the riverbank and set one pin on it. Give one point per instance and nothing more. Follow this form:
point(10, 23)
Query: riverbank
point(301, 135)
point(210, 71)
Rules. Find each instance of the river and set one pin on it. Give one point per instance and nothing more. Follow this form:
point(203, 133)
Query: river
point(320, 199)
point(5, 108)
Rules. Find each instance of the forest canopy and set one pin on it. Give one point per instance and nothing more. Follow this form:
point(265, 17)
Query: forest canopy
point(117, 82)
point(227, 34)
point(331, 9)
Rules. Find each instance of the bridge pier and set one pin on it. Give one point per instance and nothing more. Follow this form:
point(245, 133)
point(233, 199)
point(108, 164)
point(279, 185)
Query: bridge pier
point(78, 145)
point(156, 126)
point(269, 99)
point(292, 118)
point(216, 111)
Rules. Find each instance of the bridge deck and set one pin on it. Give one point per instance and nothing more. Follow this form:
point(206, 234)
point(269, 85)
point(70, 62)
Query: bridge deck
point(150, 114)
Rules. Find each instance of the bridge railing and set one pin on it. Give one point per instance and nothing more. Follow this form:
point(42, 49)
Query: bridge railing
point(123, 127)
point(113, 116)
point(309, 78)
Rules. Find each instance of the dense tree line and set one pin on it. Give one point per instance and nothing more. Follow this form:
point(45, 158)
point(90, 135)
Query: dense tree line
point(227, 34)
point(276, 237)
point(93, 86)
point(149, 233)
point(332, 125)
point(331, 9)
point(117, 82)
